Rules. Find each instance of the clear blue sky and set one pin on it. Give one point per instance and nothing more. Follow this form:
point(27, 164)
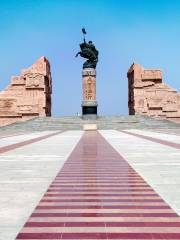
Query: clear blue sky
point(142, 31)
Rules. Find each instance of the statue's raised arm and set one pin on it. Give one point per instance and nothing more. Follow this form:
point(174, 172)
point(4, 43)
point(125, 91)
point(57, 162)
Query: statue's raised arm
point(88, 51)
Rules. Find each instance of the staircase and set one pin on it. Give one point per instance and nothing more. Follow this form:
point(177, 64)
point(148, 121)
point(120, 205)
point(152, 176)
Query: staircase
point(76, 123)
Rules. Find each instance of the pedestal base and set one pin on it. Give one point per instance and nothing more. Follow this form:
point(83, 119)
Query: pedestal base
point(89, 109)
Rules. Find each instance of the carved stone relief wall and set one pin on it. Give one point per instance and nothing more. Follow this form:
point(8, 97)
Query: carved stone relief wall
point(28, 95)
point(148, 95)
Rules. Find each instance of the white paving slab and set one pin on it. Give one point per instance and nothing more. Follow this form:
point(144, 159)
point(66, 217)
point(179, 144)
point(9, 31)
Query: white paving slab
point(20, 138)
point(25, 174)
point(162, 136)
point(158, 164)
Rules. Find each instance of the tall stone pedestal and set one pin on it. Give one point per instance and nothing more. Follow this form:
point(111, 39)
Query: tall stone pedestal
point(89, 103)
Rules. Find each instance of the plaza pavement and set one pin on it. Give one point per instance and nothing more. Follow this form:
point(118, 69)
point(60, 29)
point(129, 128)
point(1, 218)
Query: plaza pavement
point(104, 184)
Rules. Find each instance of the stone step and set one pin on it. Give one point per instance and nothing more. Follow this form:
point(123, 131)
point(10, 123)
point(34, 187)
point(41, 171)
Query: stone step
point(77, 123)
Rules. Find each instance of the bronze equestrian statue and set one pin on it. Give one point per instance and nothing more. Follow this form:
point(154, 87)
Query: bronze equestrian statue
point(88, 51)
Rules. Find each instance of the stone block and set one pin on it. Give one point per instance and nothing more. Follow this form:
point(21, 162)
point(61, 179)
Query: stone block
point(17, 80)
point(28, 95)
point(149, 95)
point(89, 127)
point(34, 80)
point(154, 75)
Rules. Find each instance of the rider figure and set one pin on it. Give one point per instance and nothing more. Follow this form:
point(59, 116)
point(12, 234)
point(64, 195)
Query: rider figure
point(89, 52)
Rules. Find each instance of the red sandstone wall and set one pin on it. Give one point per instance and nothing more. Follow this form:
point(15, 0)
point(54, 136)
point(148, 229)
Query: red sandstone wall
point(28, 95)
point(148, 95)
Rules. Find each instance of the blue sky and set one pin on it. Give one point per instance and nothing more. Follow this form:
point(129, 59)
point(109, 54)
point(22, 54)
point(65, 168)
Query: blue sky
point(142, 31)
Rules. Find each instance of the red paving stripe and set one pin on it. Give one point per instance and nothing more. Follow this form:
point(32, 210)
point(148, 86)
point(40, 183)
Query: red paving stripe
point(103, 207)
point(143, 236)
point(67, 224)
point(39, 236)
point(24, 143)
point(120, 183)
point(143, 224)
point(102, 200)
point(78, 187)
point(100, 189)
point(94, 177)
point(101, 195)
point(100, 173)
point(102, 186)
point(62, 236)
point(71, 215)
point(97, 191)
point(102, 224)
point(156, 140)
point(99, 236)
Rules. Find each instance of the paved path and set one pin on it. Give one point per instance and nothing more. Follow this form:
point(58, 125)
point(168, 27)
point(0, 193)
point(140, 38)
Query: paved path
point(98, 195)
point(14, 139)
point(165, 139)
point(163, 136)
point(157, 163)
point(11, 135)
point(27, 167)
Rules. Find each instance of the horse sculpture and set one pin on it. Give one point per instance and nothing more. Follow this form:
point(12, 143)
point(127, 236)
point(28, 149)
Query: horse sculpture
point(89, 52)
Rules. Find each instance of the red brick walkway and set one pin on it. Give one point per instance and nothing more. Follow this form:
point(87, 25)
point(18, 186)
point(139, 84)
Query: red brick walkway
point(98, 195)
